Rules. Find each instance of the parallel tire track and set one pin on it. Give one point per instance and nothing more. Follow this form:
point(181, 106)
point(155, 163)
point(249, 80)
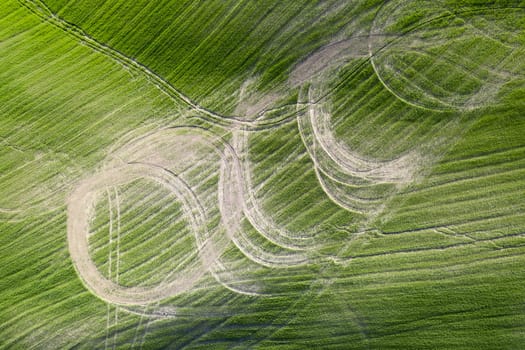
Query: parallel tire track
point(41, 10)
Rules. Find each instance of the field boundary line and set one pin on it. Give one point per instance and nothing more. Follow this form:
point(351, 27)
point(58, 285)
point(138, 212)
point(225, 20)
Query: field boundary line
point(40, 9)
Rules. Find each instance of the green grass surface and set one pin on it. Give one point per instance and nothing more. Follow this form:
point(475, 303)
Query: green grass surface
point(432, 263)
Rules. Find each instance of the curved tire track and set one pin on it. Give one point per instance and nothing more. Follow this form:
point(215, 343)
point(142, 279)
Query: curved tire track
point(80, 210)
point(231, 206)
point(41, 10)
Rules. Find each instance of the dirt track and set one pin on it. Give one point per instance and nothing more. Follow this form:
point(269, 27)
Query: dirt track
point(236, 197)
point(231, 203)
point(80, 209)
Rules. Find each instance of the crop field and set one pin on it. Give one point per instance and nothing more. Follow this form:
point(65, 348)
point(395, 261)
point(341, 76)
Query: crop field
point(341, 174)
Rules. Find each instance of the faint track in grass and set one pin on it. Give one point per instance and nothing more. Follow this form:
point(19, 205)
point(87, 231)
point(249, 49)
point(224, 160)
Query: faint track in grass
point(111, 291)
point(349, 164)
point(233, 185)
point(40, 9)
point(254, 212)
point(353, 171)
point(110, 244)
point(78, 215)
point(397, 170)
point(230, 194)
point(117, 257)
point(451, 14)
point(327, 145)
point(142, 314)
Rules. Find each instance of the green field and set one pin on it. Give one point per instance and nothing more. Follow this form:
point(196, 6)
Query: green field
point(341, 174)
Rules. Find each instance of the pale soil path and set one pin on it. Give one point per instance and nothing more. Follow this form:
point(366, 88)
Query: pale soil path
point(398, 170)
point(233, 201)
point(252, 209)
point(345, 168)
point(110, 263)
point(232, 186)
point(231, 205)
point(80, 210)
point(328, 56)
point(411, 40)
point(237, 199)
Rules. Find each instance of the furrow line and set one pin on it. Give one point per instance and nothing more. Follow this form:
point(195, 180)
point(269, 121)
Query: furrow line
point(40, 9)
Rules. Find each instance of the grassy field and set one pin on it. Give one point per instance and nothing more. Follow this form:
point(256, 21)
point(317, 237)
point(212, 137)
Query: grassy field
point(270, 174)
